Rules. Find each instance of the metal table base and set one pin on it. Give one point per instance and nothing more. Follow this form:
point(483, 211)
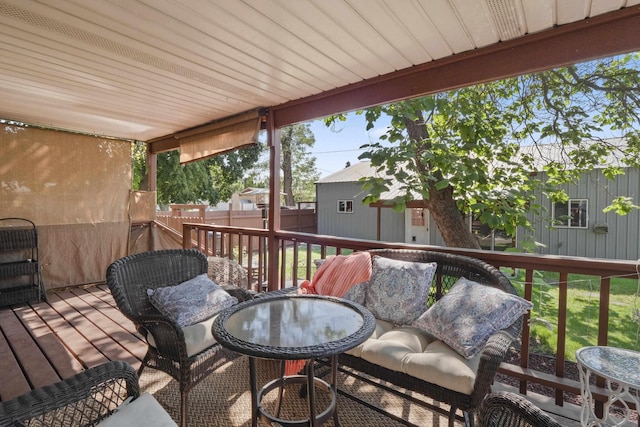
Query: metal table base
point(310, 380)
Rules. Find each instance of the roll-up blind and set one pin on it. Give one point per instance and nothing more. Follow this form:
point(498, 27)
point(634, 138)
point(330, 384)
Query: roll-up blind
point(215, 138)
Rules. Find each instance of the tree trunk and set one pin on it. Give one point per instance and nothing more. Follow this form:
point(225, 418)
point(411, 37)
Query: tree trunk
point(450, 221)
point(287, 175)
point(442, 206)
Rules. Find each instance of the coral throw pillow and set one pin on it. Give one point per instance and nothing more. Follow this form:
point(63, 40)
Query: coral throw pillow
point(338, 273)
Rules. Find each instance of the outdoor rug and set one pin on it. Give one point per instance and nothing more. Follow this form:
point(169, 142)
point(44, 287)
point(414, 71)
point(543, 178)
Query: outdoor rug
point(223, 399)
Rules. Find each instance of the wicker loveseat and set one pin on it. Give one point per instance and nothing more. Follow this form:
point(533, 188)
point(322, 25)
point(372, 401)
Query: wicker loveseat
point(410, 358)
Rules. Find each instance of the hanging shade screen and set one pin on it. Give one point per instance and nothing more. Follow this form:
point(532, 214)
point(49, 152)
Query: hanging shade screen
point(216, 138)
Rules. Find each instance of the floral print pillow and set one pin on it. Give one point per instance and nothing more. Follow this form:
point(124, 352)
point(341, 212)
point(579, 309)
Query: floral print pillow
point(357, 293)
point(469, 314)
point(192, 301)
point(398, 290)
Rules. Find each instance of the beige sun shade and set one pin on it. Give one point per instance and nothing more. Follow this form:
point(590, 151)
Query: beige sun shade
point(216, 138)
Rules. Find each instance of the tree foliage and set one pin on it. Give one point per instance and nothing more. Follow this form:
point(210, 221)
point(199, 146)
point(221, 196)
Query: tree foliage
point(299, 170)
point(463, 152)
point(213, 180)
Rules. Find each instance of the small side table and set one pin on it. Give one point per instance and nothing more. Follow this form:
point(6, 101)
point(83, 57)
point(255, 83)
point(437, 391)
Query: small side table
point(621, 370)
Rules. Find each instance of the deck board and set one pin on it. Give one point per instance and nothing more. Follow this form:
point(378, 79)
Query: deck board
point(58, 355)
point(27, 352)
point(95, 311)
point(66, 322)
point(13, 381)
point(78, 328)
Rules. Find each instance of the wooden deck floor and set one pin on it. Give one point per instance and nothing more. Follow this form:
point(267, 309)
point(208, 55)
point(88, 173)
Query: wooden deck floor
point(76, 329)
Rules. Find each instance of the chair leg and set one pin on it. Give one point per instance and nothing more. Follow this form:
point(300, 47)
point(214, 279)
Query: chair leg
point(145, 360)
point(183, 408)
point(469, 419)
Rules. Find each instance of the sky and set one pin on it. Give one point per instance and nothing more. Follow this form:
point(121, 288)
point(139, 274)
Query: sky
point(333, 149)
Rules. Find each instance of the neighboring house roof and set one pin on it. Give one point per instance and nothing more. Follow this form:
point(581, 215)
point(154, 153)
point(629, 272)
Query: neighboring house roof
point(543, 154)
point(350, 174)
point(364, 170)
point(253, 191)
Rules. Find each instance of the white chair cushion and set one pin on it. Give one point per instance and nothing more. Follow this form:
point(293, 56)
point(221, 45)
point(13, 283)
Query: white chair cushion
point(197, 336)
point(409, 350)
point(145, 411)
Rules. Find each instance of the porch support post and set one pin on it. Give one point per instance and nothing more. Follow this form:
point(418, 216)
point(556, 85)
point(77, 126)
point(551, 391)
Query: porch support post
point(152, 170)
point(273, 141)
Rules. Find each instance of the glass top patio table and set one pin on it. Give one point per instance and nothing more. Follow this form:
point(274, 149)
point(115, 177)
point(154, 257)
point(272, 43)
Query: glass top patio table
point(294, 327)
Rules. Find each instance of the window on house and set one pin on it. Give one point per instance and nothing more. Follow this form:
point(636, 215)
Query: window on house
point(345, 206)
point(572, 213)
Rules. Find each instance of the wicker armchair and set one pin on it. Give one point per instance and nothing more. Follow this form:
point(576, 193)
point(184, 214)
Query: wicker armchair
point(81, 400)
point(505, 409)
point(128, 279)
point(231, 276)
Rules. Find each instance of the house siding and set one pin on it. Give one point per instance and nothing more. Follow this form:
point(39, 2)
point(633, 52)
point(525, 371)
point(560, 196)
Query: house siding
point(362, 223)
point(622, 241)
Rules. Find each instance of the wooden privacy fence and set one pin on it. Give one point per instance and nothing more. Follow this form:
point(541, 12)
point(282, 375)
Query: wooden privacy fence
point(300, 220)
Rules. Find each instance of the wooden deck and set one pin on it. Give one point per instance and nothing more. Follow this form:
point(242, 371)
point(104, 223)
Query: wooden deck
point(76, 329)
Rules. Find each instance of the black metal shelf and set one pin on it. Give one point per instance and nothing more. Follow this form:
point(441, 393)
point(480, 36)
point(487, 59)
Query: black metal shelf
point(20, 271)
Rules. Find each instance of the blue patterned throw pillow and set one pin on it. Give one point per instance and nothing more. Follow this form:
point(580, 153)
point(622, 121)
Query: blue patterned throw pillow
point(469, 314)
point(357, 293)
point(398, 290)
point(192, 301)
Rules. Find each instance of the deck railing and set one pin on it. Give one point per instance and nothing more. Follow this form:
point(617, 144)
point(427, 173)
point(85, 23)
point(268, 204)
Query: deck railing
point(297, 251)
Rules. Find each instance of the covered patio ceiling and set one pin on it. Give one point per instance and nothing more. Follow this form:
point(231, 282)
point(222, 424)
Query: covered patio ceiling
point(145, 69)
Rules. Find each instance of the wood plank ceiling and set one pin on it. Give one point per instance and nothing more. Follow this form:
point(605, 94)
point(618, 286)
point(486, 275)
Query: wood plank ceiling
point(142, 69)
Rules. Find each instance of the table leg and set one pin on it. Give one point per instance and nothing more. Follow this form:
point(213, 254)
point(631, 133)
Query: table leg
point(283, 365)
point(334, 384)
point(619, 393)
point(311, 393)
point(254, 392)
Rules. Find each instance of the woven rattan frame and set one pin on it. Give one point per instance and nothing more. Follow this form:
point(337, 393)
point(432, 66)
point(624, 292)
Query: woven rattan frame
point(128, 279)
point(231, 276)
point(81, 400)
point(450, 268)
point(506, 409)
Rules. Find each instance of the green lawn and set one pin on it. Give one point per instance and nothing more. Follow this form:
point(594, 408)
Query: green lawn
point(583, 304)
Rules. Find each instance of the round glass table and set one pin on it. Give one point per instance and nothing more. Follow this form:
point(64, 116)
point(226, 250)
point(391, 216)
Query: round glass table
point(294, 327)
point(621, 370)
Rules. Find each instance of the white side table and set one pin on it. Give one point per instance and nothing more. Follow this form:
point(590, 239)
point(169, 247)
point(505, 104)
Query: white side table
point(621, 370)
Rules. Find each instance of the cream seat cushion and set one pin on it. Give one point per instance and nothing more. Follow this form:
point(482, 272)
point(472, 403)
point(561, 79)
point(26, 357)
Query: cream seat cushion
point(145, 411)
point(197, 336)
point(409, 350)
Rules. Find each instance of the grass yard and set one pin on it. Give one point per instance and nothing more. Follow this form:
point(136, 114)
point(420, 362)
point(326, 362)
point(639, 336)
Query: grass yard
point(583, 304)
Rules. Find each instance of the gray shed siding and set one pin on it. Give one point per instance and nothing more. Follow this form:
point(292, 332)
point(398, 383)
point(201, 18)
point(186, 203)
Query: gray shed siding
point(362, 223)
point(622, 241)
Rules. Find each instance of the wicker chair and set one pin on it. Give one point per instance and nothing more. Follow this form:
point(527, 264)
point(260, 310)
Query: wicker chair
point(449, 269)
point(83, 399)
point(230, 275)
point(128, 279)
point(505, 409)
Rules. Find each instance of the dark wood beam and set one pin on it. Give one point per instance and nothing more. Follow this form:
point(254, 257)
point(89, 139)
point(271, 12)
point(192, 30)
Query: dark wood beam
point(602, 36)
